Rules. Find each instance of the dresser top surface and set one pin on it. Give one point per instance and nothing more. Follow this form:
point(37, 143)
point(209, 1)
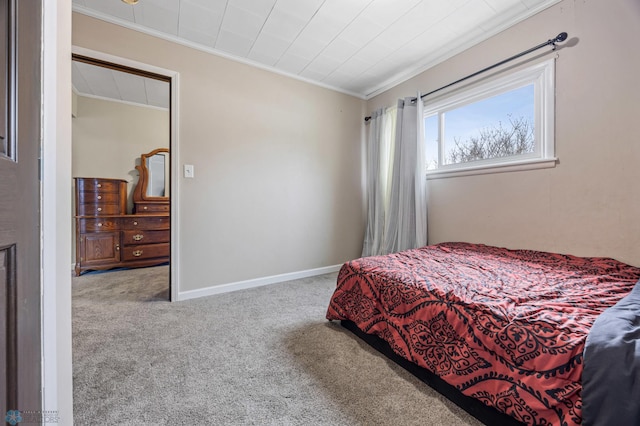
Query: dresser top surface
point(121, 216)
point(99, 178)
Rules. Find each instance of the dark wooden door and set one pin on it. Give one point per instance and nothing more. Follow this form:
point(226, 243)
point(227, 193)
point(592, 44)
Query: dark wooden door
point(20, 122)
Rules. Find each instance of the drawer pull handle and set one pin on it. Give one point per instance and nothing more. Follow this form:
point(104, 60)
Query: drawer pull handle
point(117, 247)
point(137, 253)
point(99, 185)
point(138, 237)
point(99, 225)
point(99, 209)
point(135, 223)
point(99, 197)
point(145, 207)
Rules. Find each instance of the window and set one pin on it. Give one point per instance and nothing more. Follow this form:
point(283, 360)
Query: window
point(501, 125)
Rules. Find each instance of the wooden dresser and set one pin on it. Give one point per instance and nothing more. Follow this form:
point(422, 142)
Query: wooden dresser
point(107, 237)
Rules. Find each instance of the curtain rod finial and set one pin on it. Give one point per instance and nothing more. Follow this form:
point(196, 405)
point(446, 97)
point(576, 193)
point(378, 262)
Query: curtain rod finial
point(559, 38)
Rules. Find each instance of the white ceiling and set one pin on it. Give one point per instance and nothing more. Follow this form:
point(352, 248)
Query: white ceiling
point(360, 47)
point(104, 83)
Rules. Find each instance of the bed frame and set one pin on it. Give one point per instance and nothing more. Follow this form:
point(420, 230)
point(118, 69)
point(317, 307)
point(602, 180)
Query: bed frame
point(484, 413)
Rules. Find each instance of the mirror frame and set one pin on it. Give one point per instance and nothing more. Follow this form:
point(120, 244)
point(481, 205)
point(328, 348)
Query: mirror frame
point(140, 192)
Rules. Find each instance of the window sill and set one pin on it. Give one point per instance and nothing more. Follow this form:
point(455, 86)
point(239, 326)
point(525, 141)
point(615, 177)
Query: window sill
point(512, 166)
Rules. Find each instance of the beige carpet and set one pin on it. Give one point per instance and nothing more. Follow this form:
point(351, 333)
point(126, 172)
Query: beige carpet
point(264, 356)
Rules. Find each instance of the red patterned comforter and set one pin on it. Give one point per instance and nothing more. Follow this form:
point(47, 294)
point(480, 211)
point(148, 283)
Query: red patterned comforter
point(507, 327)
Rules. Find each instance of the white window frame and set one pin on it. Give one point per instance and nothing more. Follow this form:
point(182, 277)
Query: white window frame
point(542, 76)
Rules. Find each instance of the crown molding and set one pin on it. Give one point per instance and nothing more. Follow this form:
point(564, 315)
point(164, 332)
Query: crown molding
point(120, 101)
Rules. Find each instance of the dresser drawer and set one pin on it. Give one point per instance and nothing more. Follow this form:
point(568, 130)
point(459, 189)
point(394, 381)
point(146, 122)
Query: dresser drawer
point(145, 237)
point(96, 197)
point(148, 251)
point(100, 196)
point(143, 208)
point(99, 185)
point(98, 209)
point(146, 222)
point(98, 225)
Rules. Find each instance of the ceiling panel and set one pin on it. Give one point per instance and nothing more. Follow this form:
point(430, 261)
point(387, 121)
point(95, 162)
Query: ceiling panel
point(384, 13)
point(321, 67)
point(80, 84)
point(196, 37)
point(337, 78)
point(242, 22)
point(268, 49)
point(130, 87)
point(216, 5)
point(199, 23)
point(306, 46)
point(353, 66)
point(340, 50)
point(501, 6)
point(105, 83)
point(505, 17)
point(292, 63)
point(355, 46)
point(373, 53)
point(116, 9)
point(234, 43)
point(469, 17)
point(156, 17)
point(100, 80)
point(260, 8)
point(301, 9)
point(158, 93)
point(284, 25)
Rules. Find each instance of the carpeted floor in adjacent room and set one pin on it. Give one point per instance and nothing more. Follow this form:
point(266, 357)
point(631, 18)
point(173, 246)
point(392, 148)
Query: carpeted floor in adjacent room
point(263, 356)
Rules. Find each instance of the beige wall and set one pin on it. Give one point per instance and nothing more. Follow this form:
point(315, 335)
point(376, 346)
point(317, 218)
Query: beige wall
point(109, 137)
point(589, 204)
point(277, 185)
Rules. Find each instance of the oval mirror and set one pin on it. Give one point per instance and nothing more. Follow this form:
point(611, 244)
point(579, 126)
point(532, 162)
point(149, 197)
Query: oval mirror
point(152, 191)
point(157, 172)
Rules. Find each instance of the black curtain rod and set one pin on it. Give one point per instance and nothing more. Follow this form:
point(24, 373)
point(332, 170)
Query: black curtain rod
point(559, 38)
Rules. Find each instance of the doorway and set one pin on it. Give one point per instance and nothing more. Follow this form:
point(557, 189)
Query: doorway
point(140, 100)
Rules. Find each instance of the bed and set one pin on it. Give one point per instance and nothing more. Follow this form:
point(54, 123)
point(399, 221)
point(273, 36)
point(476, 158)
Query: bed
point(503, 329)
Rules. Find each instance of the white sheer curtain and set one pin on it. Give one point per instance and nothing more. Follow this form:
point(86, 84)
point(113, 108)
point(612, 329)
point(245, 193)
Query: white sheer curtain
point(397, 203)
point(382, 129)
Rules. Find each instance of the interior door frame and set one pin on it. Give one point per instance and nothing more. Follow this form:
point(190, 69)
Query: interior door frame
point(123, 64)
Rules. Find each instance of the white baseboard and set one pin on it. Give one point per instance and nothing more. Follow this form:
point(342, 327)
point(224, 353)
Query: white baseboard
point(257, 282)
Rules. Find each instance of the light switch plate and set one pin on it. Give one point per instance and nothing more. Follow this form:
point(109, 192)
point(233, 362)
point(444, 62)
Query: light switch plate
point(188, 171)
